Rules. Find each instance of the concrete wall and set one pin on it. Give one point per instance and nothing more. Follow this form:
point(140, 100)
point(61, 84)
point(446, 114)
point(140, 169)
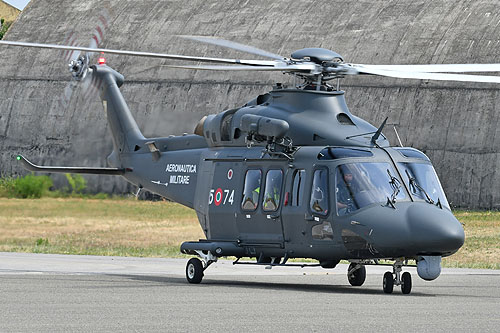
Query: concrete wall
point(456, 124)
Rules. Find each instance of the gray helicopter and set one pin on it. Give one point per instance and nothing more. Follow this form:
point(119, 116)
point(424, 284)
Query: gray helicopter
point(290, 174)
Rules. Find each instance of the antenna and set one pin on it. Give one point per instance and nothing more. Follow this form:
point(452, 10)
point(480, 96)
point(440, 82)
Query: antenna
point(379, 131)
point(397, 135)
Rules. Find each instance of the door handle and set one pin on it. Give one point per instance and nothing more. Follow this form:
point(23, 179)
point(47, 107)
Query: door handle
point(308, 217)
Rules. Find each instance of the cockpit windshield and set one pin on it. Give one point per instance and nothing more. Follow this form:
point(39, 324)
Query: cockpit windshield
point(423, 183)
point(362, 184)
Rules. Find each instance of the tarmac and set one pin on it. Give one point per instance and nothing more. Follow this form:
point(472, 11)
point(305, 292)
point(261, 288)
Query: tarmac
point(42, 292)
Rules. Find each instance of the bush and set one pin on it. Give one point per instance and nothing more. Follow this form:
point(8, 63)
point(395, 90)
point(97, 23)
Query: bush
point(6, 186)
point(77, 183)
point(32, 186)
point(29, 186)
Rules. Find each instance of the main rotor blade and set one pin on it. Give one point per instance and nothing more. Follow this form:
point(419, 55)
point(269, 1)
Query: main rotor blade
point(429, 76)
point(143, 54)
point(277, 68)
point(233, 45)
point(437, 68)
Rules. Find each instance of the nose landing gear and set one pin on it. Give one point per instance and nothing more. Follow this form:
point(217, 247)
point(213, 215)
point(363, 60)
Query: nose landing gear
point(356, 274)
point(195, 267)
point(396, 278)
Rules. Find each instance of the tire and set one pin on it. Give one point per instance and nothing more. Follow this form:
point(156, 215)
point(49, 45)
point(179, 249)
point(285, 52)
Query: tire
point(263, 260)
point(357, 278)
point(194, 270)
point(388, 283)
point(406, 283)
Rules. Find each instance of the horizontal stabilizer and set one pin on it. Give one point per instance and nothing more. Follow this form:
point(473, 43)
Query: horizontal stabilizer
point(95, 171)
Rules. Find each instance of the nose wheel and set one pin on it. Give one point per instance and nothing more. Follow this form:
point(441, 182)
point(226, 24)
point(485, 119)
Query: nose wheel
point(406, 283)
point(396, 278)
point(388, 283)
point(356, 274)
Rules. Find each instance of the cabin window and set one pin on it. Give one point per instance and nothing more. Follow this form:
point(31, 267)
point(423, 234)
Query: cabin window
point(251, 190)
point(272, 193)
point(319, 192)
point(299, 178)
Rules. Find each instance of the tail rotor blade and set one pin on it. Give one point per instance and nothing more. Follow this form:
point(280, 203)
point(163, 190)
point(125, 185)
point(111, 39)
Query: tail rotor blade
point(66, 96)
point(99, 31)
point(79, 64)
point(70, 55)
point(90, 87)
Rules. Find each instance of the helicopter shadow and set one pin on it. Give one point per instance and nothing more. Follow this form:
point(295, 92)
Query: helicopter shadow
point(270, 286)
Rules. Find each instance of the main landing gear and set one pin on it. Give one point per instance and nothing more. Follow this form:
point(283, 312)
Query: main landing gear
point(396, 278)
point(195, 266)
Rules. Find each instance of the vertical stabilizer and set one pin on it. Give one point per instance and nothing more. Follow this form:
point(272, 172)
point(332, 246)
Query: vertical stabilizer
point(124, 129)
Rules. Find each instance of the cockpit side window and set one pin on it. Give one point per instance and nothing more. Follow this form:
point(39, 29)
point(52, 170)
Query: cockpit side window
point(319, 192)
point(251, 190)
point(423, 183)
point(272, 193)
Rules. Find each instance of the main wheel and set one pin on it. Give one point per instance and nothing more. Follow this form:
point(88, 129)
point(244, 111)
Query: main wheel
point(388, 283)
point(194, 270)
point(358, 276)
point(406, 283)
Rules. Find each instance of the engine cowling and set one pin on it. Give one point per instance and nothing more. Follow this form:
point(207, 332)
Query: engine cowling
point(264, 126)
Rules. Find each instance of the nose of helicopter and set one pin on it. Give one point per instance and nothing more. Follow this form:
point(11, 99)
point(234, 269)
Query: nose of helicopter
point(434, 231)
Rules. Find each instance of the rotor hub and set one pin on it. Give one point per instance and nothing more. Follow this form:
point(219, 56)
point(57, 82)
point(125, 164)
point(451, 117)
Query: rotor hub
point(79, 67)
point(317, 55)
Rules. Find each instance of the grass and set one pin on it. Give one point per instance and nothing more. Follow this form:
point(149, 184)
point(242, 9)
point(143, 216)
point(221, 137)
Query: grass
point(96, 227)
point(482, 241)
point(127, 227)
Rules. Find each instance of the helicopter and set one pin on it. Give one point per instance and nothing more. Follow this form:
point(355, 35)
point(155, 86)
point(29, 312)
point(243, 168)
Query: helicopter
point(291, 173)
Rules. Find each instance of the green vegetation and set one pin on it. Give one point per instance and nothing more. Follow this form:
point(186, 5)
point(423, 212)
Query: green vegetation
point(4, 27)
point(29, 186)
point(482, 240)
point(77, 183)
point(71, 221)
point(128, 227)
point(125, 227)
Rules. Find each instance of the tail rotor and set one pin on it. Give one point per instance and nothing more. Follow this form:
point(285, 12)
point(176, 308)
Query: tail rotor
point(79, 62)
